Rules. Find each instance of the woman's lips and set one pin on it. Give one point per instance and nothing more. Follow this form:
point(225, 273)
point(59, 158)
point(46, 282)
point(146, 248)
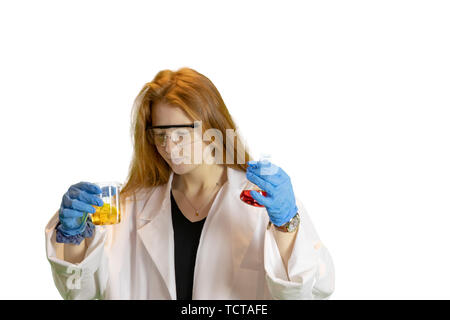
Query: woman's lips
point(178, 160)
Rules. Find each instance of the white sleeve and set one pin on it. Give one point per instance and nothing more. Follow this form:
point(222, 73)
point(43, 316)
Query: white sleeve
point(84, 280)
point(310, 266)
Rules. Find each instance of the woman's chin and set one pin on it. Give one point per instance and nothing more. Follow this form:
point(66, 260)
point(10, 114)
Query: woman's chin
point(181, 168)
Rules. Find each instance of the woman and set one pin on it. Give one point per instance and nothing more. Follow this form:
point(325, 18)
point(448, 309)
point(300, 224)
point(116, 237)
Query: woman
point(184, 233)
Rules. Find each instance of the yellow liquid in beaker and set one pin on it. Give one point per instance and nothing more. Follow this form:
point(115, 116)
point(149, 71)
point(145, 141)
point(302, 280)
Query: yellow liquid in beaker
point(105, 215)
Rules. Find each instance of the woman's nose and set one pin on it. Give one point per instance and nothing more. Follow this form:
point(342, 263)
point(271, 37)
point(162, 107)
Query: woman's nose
point(170, 145)
point(173, 149)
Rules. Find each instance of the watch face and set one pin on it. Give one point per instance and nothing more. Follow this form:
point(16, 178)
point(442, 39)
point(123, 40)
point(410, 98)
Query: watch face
point(293, 225)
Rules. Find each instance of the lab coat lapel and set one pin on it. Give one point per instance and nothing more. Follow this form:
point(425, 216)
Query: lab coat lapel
point(157, 234)
point(226, 239)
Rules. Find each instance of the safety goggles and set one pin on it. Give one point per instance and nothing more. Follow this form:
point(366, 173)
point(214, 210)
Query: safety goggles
point(178, 134)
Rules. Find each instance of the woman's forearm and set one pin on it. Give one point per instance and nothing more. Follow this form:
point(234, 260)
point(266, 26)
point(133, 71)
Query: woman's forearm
point(74, 253)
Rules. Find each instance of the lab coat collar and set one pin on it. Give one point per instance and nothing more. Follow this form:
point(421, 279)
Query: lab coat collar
point(160, 197)
point(157, 233)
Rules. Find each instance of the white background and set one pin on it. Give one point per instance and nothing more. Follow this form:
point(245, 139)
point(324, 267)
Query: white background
point(351, 99)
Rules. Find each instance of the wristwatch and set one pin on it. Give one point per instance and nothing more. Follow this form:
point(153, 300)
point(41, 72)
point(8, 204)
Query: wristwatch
point(290, 226)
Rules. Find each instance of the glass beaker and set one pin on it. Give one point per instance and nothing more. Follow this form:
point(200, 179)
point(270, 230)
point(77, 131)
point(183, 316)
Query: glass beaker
point(245, 194)
point(247, 197)
point(109, 213)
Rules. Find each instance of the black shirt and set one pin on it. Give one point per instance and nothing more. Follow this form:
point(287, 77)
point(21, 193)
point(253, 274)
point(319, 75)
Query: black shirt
point(186, 238)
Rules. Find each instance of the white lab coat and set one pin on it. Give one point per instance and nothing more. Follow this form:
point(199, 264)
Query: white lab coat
point(237, 256)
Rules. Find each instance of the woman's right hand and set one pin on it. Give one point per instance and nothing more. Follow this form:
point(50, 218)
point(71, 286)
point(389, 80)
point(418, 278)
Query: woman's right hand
point(76, 204)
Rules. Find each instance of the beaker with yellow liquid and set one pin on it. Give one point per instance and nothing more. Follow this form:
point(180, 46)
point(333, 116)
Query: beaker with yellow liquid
point(109, 213)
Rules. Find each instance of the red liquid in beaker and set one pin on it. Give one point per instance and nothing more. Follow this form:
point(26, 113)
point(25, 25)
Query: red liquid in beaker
point(248, 199)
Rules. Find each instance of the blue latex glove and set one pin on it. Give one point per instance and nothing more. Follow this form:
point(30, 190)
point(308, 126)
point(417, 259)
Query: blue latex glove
point(76, 202)
point(280, 199)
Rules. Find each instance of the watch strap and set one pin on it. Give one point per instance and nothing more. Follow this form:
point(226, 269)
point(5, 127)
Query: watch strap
point(284, 227)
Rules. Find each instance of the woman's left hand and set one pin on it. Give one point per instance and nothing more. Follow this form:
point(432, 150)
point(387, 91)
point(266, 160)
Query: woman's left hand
point(280, 199)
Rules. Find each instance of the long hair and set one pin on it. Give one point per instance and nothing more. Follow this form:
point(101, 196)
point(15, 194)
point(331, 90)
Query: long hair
point(199, 98)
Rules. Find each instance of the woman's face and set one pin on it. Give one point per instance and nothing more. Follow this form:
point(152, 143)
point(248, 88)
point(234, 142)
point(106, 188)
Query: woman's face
point(180, 157)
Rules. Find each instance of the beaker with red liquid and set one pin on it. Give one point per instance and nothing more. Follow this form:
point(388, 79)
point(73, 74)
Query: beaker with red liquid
point(247, 197)
point(245, 194)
